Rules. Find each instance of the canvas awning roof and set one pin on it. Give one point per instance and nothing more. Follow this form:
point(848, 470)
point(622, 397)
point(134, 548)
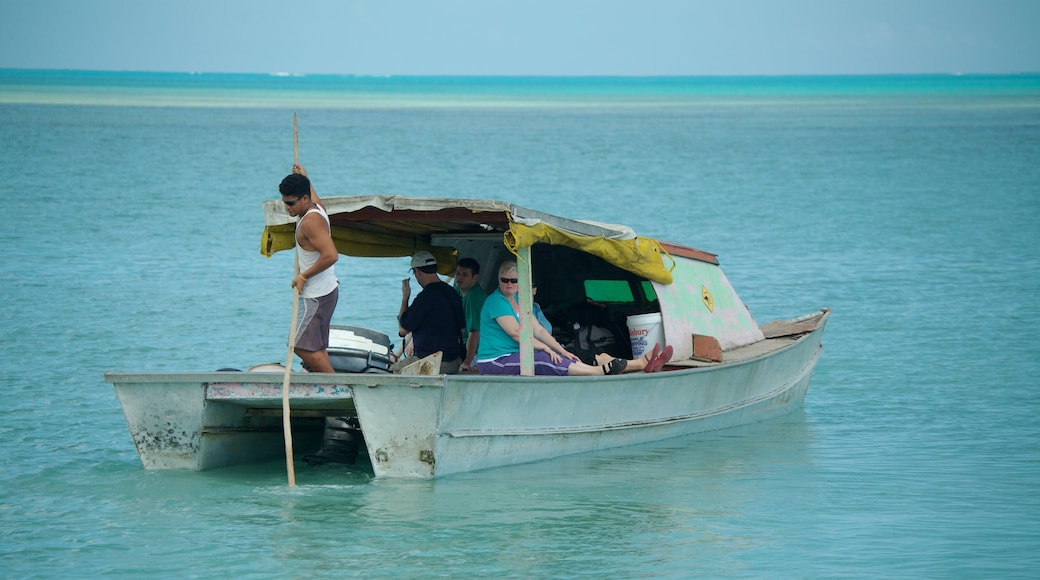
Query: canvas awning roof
point(392, 226)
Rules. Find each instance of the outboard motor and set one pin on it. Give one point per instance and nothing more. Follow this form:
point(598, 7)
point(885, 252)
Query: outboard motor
point(341, 442)
point(354, 349)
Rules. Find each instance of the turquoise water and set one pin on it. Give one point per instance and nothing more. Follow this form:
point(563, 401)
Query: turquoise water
point(908, 205)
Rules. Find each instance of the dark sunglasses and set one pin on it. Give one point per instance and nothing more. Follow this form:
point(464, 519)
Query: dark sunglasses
point(291, 203)
point(509, 280)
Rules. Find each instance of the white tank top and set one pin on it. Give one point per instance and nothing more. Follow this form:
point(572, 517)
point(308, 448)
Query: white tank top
point(325, 281)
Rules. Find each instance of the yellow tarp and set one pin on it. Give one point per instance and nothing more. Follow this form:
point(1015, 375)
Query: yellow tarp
point(641, 256)
point(360, 244)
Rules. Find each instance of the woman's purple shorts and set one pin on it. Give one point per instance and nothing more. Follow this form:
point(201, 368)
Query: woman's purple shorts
point(510, 365)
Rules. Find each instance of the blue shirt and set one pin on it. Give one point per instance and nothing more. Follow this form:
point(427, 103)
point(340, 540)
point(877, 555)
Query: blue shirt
point(540, 317)
point(494, 341)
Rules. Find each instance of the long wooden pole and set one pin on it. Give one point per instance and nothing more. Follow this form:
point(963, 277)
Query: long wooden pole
point(286, 421)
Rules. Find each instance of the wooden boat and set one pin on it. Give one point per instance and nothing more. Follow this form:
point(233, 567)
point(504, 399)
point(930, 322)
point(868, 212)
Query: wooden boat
point(726, 369)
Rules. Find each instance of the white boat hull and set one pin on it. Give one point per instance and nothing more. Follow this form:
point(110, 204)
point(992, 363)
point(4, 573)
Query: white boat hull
point(429, 426)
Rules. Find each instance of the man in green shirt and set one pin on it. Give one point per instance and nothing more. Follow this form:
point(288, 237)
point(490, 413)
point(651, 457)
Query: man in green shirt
point(467, 282)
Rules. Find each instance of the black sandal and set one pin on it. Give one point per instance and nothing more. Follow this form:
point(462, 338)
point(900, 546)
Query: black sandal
point(615, 367)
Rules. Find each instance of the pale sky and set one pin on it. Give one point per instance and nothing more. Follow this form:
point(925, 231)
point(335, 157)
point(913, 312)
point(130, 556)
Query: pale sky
point(524, 37)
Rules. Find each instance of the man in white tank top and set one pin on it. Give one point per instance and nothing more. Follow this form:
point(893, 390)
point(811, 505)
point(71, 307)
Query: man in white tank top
point(316, 280)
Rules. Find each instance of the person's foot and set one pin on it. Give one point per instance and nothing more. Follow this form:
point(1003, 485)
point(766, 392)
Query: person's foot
point(659, 361)
point(615, 367)
point(650, 356)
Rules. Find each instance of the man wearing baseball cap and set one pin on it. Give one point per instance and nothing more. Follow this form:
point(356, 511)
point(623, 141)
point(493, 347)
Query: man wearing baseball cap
point(435, 318)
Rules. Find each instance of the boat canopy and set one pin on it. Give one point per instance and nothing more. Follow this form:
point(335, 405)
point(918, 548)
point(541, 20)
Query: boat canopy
point(398, 226)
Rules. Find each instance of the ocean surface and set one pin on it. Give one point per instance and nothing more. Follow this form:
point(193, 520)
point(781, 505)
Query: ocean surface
point(908, 205)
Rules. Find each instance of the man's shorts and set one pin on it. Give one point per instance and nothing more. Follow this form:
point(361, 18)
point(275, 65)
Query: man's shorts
point(313, 321)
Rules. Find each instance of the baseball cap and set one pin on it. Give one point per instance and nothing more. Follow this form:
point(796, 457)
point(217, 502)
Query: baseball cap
point(423, 258)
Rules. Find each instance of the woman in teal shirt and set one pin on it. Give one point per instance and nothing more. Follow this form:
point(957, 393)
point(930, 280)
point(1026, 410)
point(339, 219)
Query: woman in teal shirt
point(499, 350)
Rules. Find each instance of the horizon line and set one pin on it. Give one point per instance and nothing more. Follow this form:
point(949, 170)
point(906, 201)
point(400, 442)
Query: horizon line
point(288, 74)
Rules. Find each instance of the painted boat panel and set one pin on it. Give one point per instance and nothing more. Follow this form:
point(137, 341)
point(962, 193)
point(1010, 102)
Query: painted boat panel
point(701, 300)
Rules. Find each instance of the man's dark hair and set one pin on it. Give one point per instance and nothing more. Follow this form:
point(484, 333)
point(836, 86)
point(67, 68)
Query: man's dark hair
point(469, 263)
point(431, 269)
point(295, 185)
